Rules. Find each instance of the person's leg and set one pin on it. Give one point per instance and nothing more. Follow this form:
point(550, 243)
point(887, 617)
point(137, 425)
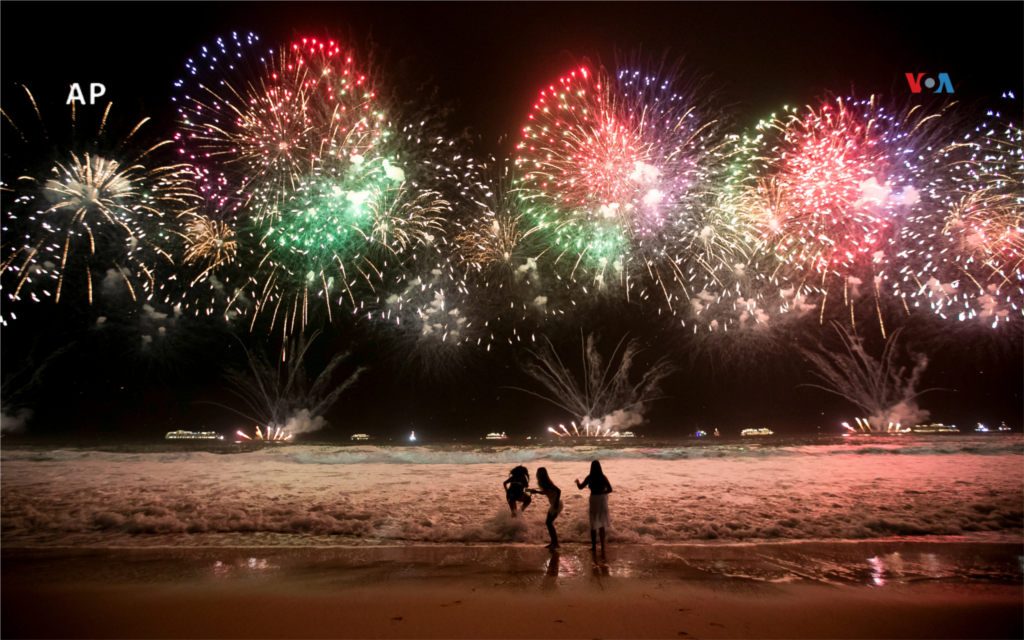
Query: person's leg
point(512, 506)
point(602, 540)
point(526, 501)
point(593, 540)
point(550, 522)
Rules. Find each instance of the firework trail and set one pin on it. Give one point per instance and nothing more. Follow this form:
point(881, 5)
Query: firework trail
point(101, 208)
point(283, 395)
point(887, 394)
point(603, 398)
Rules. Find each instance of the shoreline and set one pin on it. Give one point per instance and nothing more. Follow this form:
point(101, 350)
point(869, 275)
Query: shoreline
point(156, 541)
point(852, 562)
point(868, 589)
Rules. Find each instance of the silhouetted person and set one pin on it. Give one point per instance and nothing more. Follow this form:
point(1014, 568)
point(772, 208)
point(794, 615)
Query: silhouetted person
point(515, 488)
point(599, 490)
point(554, 495)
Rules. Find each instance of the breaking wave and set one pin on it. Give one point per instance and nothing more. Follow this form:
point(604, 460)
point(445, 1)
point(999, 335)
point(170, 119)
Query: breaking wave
point(460, 454)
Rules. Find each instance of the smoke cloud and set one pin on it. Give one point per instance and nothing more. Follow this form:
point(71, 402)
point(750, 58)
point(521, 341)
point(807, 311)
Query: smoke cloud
point(14, 423)
point(302, 422)
point(618, 420)
point(906, 414)
point(114, 280)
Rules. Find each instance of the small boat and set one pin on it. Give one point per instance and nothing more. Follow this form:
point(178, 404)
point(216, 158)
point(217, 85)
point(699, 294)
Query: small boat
point(757, 432)
point(193, 435)
point(935, 427)
point(360, 436)
point(496, 436)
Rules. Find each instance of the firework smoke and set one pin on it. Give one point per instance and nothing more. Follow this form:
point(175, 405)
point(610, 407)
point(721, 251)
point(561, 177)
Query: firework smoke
point(887, 394)
point(607, 397)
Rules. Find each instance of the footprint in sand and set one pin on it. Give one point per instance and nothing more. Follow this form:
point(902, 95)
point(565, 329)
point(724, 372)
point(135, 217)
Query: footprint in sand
point(398, 618)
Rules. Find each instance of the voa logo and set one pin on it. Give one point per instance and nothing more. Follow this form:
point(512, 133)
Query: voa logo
point(943, 82)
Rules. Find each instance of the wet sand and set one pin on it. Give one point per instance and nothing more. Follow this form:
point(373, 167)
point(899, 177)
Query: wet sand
point(873, 589)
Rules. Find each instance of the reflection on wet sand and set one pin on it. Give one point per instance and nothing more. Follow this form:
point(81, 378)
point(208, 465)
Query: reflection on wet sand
point(223, 569)
point(524, 568)
point(553, 563)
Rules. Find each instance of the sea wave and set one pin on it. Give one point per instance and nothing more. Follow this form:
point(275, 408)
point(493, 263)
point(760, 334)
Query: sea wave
point(460, 455)
point(866, 488)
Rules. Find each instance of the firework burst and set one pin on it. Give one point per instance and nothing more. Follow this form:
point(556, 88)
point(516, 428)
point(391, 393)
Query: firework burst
point(828, 190)
point(209, 243)
point(103, 208)
point(970, 259)
point(499, 254)
point(271, 119)
point(502, 238)
point(889, 395)
point(840, 177)
point(623, 166)
point(337, 247)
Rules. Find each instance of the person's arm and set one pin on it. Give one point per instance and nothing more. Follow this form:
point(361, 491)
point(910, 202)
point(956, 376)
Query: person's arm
point(608, 485)
point(582, 486)
point(558, 495)
point(505, 484)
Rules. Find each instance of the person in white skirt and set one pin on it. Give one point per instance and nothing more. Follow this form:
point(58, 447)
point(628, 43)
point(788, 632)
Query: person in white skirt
point(599, 490)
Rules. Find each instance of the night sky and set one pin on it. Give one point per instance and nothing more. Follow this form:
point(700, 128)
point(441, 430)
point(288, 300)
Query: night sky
point(488, 63)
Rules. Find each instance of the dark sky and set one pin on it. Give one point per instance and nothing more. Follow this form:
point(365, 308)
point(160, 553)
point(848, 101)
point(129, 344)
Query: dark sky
point(489, 61)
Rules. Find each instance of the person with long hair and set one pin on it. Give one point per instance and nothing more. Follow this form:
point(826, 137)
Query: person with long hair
point(554, 496)
point(599, 490)
point(515, 488)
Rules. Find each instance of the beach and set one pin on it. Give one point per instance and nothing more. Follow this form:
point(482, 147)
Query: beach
point(871, 537)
